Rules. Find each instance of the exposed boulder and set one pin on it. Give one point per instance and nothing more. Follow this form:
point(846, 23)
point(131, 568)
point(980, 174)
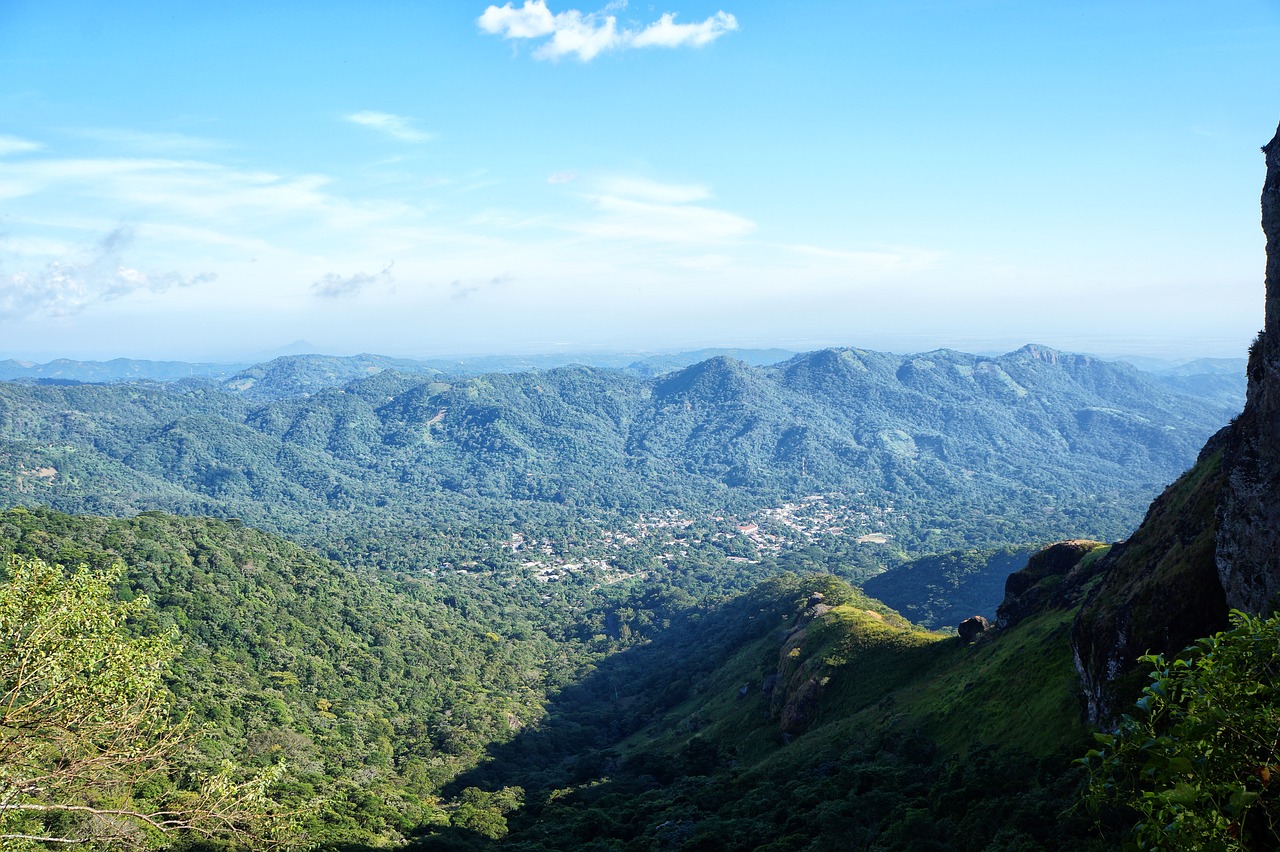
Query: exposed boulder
point(797, 714)
point(973, 627)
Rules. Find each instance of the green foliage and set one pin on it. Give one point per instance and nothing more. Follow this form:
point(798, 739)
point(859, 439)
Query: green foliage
point(1195, 764)
point(970, 451)
point(677, 745)
point(88, 751)
point(485, 813)
point(941, 590)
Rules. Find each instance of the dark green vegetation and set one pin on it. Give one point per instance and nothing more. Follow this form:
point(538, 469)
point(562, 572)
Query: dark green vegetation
point(967, 451)
point(376, 688)
point(1160, 590)
point(89, 752)
point(793, 720)
point(1196, 760)
point(463, 708)
point(578, 608)
point(942, 590)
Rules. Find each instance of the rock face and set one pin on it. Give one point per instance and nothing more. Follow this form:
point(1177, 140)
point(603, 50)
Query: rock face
point(973, 627)
point(1209, 543)
point(1042, 583)
point(1159, 591)
point(1248, 552)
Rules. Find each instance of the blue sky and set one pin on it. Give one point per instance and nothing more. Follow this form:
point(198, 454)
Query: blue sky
point(212, 181)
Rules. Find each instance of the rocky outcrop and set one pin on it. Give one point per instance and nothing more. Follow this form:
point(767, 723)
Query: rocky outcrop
point(1248, 547)
point(1045, 582)
point(1211, 542)
point(973, 627)
point(1159, 591)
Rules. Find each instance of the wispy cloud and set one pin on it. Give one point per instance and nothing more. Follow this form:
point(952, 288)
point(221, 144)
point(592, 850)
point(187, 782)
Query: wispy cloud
point(196, 192)
point(395, 126)
point(14, 145)
point(652, 190)
point(63, 288)
point(333, 286)
point(643, 209)
point(586, 35)
point(671, 223)
point(145, 142)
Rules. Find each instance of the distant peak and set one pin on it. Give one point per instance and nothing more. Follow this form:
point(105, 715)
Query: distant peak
point(1040, 353)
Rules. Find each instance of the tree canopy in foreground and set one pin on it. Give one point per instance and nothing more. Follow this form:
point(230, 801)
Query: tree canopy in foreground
point(89, 752)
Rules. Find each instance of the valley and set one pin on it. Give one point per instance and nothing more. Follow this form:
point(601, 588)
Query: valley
point(516, 603)
point(539, 426)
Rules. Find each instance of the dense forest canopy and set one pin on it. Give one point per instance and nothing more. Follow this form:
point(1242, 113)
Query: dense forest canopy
point(565, 603)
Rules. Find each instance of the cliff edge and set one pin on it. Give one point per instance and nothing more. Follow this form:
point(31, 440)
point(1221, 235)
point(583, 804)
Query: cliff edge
point(1248, 552)
point(1211, 542)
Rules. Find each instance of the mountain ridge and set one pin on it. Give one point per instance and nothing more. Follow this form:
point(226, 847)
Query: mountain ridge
point(958, 442)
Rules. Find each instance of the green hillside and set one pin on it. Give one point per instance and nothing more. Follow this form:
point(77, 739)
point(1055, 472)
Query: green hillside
point(463, 706)
point(375, 689)
point(941, 590)
point(965, 450)
point(820, 720)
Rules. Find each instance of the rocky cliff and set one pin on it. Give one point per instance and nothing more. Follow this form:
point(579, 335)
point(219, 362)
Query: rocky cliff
point(1248, 552)
point(1211, 542)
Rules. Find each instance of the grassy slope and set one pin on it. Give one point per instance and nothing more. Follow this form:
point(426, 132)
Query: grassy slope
point(913, 741)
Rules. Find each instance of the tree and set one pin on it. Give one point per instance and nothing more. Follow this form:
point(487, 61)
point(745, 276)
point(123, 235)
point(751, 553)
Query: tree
point(89, 752)
point(1197, 762)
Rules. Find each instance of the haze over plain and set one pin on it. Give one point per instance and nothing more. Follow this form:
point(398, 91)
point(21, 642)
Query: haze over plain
point(417, 180)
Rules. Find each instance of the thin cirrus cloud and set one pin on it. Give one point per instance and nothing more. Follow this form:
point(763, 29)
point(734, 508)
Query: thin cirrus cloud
point(586, 35)
point(64, 288)
point(334, 286)
point(395, 126)
point(193, 191)
point(14, 145)
point(633, 208)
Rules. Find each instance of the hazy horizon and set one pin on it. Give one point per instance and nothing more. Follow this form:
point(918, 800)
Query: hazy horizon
point(466, 178)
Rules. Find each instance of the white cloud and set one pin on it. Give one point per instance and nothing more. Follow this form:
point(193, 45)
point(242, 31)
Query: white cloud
point(14, 145)
point(532, 20)
point(665, 32)
point(333, 286)
point(561, 177)
point(395, 126)
point(650, 190)
point(586, 35)
point(63, 288)
point(681, 223)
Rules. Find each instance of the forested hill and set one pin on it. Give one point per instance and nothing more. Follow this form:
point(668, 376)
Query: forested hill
point(966, 450)
point(430, 708)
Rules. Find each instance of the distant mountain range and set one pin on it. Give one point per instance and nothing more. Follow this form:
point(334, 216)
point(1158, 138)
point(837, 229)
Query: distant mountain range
point(1220, 380)
point(118, 370)
point(293, 373)
point(966, 450)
